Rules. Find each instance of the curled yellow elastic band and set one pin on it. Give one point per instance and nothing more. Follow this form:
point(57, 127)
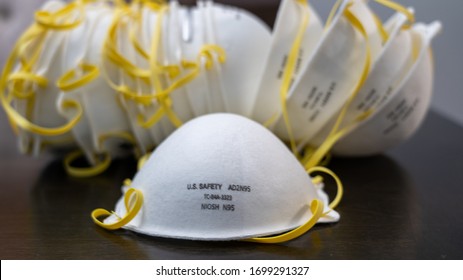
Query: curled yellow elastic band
point(28, 76)
point(340, 188)
point(85, 172)
point(68, 81)
point(50, 20)
point(25, 124)
point(316, 207)
point(133, 201)
point(399, 8)
point(207, 52)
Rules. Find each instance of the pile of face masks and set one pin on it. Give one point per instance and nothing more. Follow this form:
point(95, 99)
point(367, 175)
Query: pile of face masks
point(105, 75)
point(112, 78)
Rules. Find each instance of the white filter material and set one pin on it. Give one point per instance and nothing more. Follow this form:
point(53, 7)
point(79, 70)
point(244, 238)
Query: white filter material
point(75, 47)
point(193, 39)
point(400, 116)
point(246, 40)
point(107, 115)
point(222, 177)
point(385, 75)
point(328, 79)
point(267, 101)
point(45, 113)
point(25, 138)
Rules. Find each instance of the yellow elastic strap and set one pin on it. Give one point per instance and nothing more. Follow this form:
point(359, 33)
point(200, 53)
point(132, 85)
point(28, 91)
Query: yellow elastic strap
point(289, 72)
point(112, 54)
point(316, 207)
point(85, 172)
point(25, 124)
point(379, 25)
point(206, 52)
point(22, 91)
point(22, 83)
point(133, 200)
point(132, 70)
point(317, 180)
point(397, 7)
point(332, 13)
point(118, 59)
point(155, 71)
point(155, 5)
point(154, 119)
point(31, 35)
point(138, 46)
point(328, 143)
point(28, 76)
point(143, 160)
point(68, 81)
point(340, 189)
point(50, 20)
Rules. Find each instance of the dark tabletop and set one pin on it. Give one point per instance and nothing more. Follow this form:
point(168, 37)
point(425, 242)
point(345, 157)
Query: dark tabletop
point(406, 204)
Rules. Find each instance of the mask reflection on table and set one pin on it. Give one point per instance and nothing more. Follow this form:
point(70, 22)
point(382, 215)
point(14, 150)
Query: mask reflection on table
point(61, 207)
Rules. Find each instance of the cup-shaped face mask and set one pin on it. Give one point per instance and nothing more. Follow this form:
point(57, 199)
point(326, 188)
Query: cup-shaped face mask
point(245, 40)
point(293, 18)
point(385, 76)
point(78, 72)
point(41, 109)
point(399, 115)
point(221, 177)
point(331, 75)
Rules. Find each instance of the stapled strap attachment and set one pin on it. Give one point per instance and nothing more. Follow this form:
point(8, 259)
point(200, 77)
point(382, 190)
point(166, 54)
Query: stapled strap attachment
point(133, 201)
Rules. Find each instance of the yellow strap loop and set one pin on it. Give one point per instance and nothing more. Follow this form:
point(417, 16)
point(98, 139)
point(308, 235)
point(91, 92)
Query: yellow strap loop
point(316, 207)
point(340, 188)
point(398, 7)
point(22, 83)
point(133, 200)
point(206, 52)
point(334, 135)
point(68, 81)
point(289, 73)
point(49, 20)
point(45, 131)
point(28, 76)
point(333, 12)
point(20, 92)
point(85, 172)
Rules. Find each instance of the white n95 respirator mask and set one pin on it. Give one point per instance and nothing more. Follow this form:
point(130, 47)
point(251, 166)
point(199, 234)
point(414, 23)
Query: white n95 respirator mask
point(33, 81)
point(400, 115)
point(385, 76)
point(222, 177)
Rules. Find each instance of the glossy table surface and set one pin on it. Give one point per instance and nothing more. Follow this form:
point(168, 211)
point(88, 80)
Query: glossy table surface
point(406, 204)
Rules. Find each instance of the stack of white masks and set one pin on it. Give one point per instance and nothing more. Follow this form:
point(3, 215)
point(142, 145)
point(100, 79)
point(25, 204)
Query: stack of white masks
point(101, 76)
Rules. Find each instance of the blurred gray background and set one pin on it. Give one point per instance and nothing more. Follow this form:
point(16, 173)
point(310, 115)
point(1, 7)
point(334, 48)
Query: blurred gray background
point(16, 15)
